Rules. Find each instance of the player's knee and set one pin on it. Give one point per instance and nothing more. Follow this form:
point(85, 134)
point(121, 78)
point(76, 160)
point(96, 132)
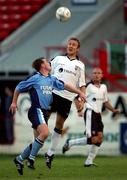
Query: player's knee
point(100, 138)
point(94, 140)
point(44, 134)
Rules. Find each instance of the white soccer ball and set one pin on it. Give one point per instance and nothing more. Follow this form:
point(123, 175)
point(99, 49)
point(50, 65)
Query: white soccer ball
point(63, 14)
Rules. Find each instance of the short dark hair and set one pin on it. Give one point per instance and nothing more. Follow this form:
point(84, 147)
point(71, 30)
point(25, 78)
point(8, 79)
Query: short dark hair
point(75, 39)
point(37, 63)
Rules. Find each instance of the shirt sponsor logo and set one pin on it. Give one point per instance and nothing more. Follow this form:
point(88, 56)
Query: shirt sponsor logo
point(46, 89)
point(67, 71)
point(98, 99)
point(61, 70)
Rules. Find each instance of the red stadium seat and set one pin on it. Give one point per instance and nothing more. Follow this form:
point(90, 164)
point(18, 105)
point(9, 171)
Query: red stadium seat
point(14, 17)
point(9, 26)
point(12, 2)
point(25, 16)
point(26, 9)
point(37, 2)
point(19, 17)
point(25, 2)
point(14, 25)
point(13, 9)
point(35, 8)
point(4, 26)
point(13, 13)
point(4, 18)
point(3, 9)
point(3, 35)
point(3, 2)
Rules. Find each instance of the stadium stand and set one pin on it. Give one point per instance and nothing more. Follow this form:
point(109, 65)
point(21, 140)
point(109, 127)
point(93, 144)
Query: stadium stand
point(13, 13)
point(89, 23)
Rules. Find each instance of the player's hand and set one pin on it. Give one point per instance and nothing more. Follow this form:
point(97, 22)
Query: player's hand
point(82, 97)
point(13, 108)
point(79, 104)
point(117, 111)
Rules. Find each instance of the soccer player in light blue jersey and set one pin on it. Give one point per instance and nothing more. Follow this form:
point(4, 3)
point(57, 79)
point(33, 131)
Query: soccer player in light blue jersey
point(40, 87)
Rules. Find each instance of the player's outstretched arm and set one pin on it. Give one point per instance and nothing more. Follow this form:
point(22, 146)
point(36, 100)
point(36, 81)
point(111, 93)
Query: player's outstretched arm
point(13, 106)
point(109, 106)
point(75, 90)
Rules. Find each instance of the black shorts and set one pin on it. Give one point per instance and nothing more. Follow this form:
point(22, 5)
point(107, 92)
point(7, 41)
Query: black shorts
point(93, 122)
point(61, 105)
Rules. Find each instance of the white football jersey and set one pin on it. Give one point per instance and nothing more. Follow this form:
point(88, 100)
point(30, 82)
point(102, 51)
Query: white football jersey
point(96, 96)
point(69, 71)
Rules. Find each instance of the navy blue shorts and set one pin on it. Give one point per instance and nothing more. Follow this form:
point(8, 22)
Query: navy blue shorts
point(37, 116)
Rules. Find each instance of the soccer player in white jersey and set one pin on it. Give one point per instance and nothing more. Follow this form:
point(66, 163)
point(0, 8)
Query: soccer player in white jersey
point(39, 86)
point(96, 95)
point(70, 70)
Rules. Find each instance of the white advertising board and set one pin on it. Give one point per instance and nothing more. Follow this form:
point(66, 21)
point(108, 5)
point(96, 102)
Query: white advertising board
point(110, 146)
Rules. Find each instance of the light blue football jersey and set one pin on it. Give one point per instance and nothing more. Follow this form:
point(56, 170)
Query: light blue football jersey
point(40, 89)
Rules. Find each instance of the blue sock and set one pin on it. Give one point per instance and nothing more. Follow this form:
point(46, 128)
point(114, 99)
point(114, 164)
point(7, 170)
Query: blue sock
point(36, 146)
point(25, 154)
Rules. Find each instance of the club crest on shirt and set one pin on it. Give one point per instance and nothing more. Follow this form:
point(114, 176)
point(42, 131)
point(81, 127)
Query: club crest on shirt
point(61, 70)
point(76, 68)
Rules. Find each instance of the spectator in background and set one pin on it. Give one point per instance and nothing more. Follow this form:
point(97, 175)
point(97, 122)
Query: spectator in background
point(9, 120)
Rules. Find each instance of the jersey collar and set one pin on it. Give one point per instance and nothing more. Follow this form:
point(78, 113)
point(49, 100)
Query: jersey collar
point(72, 59)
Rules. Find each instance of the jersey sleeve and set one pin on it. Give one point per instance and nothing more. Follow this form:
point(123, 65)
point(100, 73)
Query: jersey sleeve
point(106, 95)
point(82, 81)
point(25, 85)
point(57, 84)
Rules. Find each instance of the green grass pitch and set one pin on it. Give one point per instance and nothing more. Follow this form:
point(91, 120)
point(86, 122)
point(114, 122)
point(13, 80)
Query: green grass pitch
point(67, 168)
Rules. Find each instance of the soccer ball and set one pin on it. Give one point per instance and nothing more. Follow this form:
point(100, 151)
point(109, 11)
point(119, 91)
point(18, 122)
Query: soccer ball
point(63, 14)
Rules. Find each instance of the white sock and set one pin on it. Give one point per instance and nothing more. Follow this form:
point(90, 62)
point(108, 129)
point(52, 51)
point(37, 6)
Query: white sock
point(80, 141)
point(54, 142)
point(92, 154)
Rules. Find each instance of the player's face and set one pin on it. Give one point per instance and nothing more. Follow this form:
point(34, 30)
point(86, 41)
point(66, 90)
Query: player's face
point(97, 75)
point(72, 47)
point(46, 65)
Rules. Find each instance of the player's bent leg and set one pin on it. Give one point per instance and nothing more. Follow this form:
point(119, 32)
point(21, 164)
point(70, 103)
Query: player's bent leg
point(74, 142)
point(66, 146)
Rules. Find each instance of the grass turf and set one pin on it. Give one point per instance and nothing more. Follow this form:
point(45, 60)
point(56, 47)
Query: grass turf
point(67, 168)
